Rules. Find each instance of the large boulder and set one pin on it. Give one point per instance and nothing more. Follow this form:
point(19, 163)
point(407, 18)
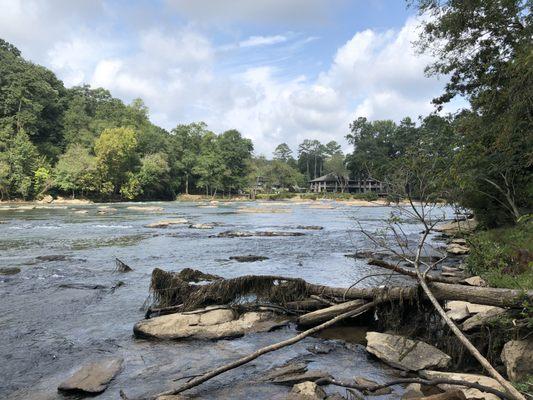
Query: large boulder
point(307, 391)
point(470, 393)
point(405, 354)
point(206, 324)
point(94, 377)
point(517, 355)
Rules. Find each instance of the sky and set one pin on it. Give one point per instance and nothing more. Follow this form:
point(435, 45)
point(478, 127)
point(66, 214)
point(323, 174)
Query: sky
point(276, 70)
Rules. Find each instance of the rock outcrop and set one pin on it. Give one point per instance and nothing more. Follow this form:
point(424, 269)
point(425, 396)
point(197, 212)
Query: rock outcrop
point(405, 354)
point(208, 324)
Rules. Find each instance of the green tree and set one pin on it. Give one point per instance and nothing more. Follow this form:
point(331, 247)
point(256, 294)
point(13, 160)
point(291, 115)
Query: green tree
point(235, 152)
point(116, 156)
point(486, 50)
point(187, 142)
point(210, 167)
point(76, 171)
point(153, 176)
point(283, 153)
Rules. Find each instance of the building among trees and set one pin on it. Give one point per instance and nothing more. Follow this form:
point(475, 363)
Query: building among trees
point(334, 183)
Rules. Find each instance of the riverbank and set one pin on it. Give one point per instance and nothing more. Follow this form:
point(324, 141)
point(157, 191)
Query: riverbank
point(309, 198)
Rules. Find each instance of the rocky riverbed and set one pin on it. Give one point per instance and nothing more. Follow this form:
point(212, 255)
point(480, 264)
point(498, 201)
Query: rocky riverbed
point(64, 304)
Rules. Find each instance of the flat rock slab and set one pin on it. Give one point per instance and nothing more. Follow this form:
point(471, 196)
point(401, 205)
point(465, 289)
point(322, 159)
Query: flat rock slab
point(291, 379)
point(94, 377)
point(206, 324)
point(482, 318)
point(405, 354)
point(470, 393)
point(167, 222)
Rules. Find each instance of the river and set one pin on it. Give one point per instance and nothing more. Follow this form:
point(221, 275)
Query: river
point(51, 321)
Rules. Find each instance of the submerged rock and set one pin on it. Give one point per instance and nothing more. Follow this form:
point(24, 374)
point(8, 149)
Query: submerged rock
point(470, 393)
point(307, 391)
point(310, 227)
point(233, 234)
point(291, 379)
point(201, 226)
point(248, 258)
point(52, 257)
point(94, 377)
point(9, 271)
point(405, 354)
point(517, 355)
point(206, 324)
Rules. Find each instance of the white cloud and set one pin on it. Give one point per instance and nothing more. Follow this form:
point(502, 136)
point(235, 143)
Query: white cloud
point(253, 41)
point(182, 77)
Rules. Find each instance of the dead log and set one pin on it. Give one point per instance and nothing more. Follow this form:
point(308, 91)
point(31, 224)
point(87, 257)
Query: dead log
point(403, 381)
point(121, 266)
point(305, 305)
point(443, 291)
point(268, 349)
point(408, 272)
point(324, 314)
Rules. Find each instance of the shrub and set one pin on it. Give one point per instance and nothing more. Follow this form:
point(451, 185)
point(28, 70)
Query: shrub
point(503, 257)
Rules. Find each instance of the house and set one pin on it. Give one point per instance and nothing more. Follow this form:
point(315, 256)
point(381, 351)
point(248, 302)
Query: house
point(333, 183)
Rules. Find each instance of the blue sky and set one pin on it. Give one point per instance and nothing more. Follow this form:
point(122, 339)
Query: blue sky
point(277, 70)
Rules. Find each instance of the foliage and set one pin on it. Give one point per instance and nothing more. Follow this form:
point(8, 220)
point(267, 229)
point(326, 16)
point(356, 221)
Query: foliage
point(503, 257)
point(485, 49)
point(76, 171)
point(115, 155)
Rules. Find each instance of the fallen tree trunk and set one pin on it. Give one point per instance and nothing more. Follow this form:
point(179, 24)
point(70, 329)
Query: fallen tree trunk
point(442, 291)
point(319, 316)
point(273, 347)
point(403, 381)
point(408, 272)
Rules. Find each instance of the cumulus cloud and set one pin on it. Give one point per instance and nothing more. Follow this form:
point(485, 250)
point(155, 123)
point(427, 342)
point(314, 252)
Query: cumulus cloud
point(182, 75)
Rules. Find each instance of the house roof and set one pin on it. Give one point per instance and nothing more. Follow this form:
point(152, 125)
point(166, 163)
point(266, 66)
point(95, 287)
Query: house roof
point(328, 177)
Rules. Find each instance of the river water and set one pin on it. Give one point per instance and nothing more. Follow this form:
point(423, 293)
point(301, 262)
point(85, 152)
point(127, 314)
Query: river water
point(56, 315)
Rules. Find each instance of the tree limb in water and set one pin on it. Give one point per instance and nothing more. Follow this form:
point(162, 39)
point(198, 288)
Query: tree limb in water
point(273, 347)
point(403, 381)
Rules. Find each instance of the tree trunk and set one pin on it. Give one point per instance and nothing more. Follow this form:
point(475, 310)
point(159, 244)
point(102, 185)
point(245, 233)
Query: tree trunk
point(324, 314)
point(186, 183)
point(442, 291)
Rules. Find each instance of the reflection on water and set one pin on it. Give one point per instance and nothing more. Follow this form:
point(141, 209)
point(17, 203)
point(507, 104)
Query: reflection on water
point(51, 321)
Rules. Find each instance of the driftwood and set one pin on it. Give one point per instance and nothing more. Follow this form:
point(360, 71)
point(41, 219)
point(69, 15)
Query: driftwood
point(442, 291)
point(273, 347)
point(403, 381)
point(121, 266)
point(319, 316)
point(408, 272)
point(305, 305)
